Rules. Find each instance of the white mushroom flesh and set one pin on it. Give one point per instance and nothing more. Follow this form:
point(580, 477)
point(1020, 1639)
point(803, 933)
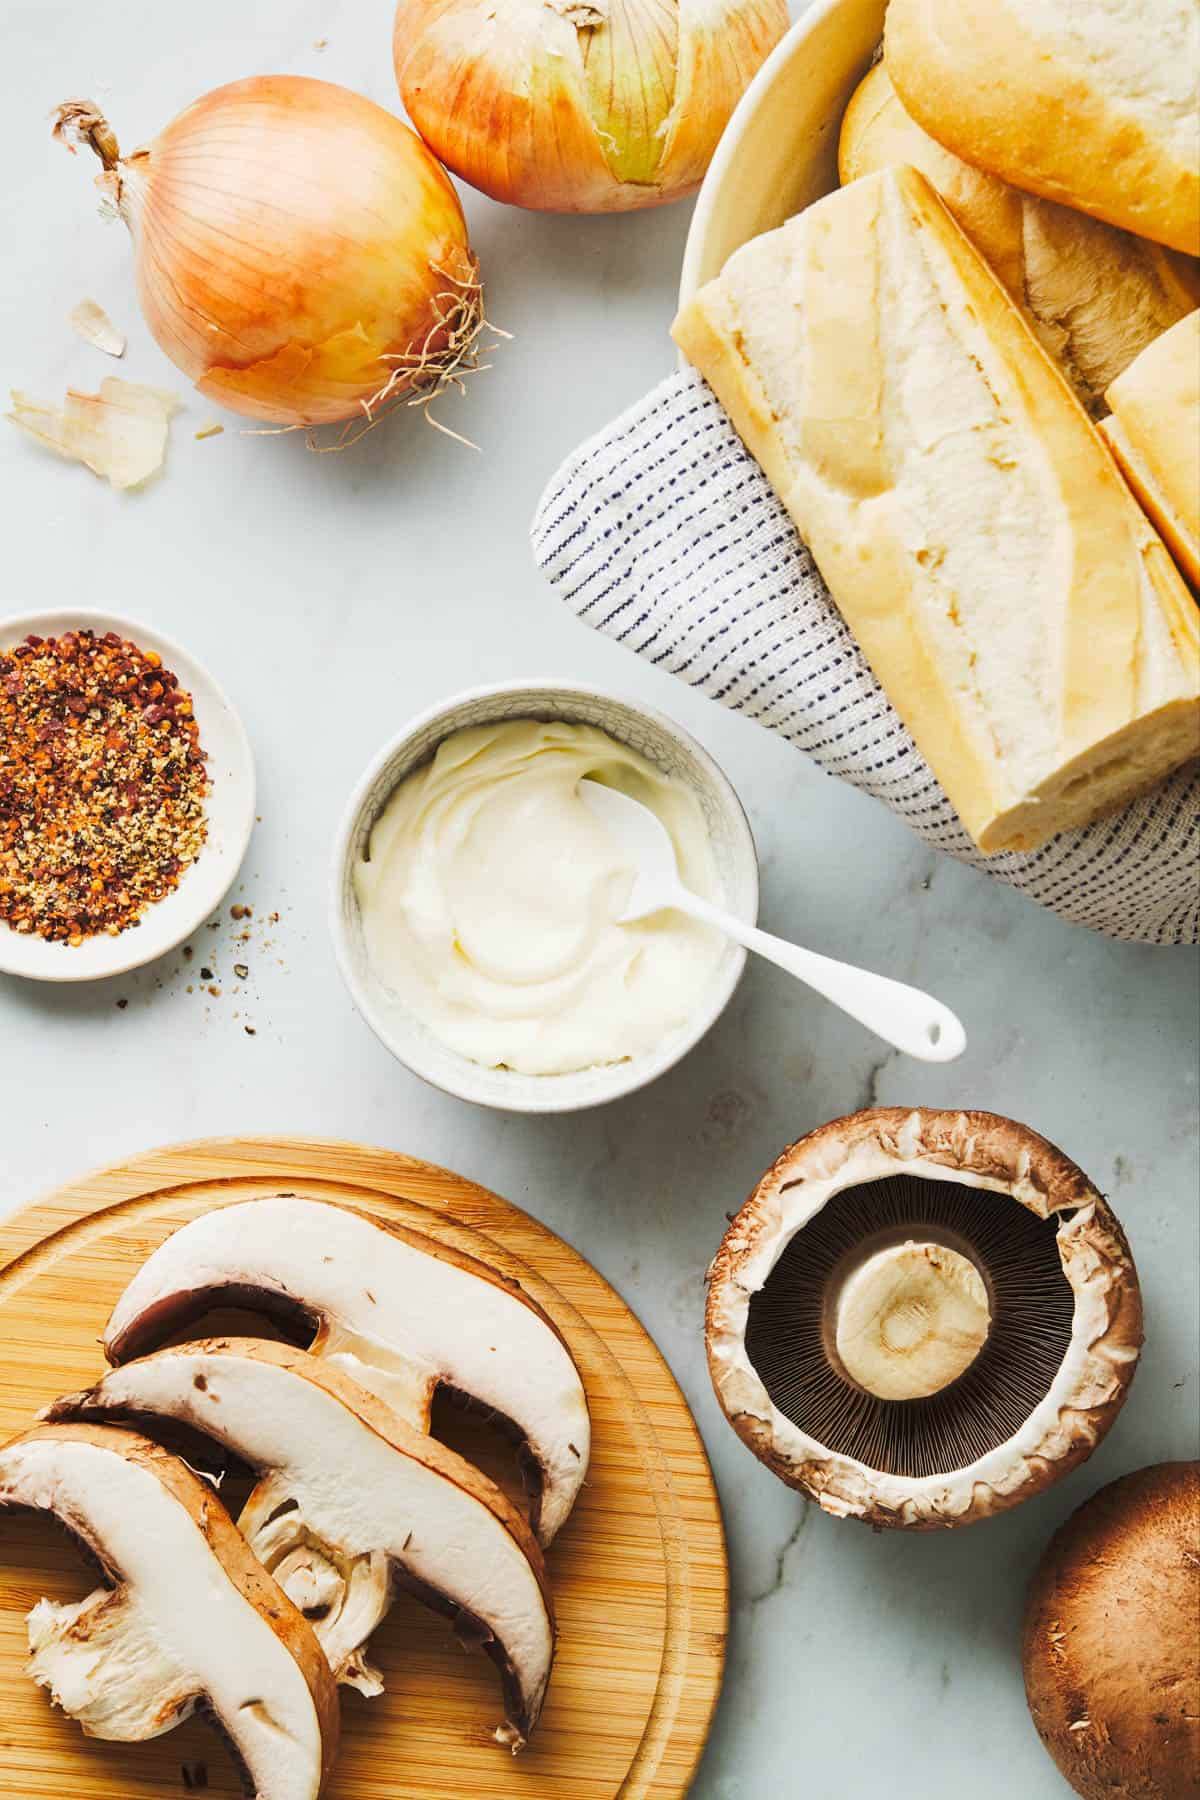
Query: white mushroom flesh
point(399, 1320)
point(131, 1662)
point(351, 1500)
point(344, 1598)
point(910, 1320)
point(103, 1662)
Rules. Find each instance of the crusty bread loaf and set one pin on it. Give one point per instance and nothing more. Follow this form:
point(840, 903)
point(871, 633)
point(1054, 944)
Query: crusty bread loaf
point(1090, 102)
point(1094, 295)
point(1155, 432)
point(1029, 626)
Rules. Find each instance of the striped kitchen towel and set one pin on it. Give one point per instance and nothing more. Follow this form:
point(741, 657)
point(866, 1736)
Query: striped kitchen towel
point(663, 532)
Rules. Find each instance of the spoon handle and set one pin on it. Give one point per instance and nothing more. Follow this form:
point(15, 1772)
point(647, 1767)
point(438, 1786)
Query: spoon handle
point(903, 1016)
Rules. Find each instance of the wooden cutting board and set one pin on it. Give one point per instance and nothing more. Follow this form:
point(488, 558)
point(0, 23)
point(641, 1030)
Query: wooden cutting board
point(639, 1571)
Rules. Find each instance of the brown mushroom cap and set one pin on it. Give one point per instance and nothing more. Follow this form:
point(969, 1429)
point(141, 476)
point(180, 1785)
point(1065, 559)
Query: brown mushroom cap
point(1039, 1397)
point(1112, 1639)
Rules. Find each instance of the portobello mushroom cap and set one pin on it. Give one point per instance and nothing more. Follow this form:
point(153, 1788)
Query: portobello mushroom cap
point(401, 1314)
point(1112, 1639)
point(349, 1497)
point(188, 1619)
point(920, 1318)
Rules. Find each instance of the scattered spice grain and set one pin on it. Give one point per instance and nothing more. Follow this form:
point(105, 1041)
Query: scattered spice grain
point(102, 785)
point(241, 971)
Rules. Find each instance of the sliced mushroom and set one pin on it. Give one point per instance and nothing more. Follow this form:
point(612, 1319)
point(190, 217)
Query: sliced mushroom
point(398, 1312)
point(348, 1494)
point(188, 1618)
point(919, 1318)
point(1112, 1639)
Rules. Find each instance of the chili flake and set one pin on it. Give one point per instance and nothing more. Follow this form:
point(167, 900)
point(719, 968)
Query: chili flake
point(102, 785)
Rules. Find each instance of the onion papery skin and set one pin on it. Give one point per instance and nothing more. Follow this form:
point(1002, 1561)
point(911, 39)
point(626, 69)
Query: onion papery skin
point(580, 105)
point(290, 237)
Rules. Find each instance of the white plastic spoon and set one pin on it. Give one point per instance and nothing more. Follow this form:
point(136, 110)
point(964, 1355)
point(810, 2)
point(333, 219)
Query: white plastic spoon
point(914, 1022)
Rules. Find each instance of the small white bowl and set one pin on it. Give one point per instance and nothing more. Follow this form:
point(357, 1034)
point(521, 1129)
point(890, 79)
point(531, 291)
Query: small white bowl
point(230, 808)
point(663, 743)
point(779, 151)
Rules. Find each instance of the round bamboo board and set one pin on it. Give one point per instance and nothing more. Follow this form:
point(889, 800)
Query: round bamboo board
point(639, 1571)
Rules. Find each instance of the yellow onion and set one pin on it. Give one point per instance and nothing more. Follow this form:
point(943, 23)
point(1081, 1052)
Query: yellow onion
point(579, 105)
point(300, 254)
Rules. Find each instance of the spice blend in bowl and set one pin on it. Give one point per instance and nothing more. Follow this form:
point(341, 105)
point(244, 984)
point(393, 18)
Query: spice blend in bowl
point(102, 784)
point(127, 794)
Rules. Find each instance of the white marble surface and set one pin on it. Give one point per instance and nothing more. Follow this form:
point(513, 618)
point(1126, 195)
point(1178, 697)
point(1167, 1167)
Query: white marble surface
point(335, 597)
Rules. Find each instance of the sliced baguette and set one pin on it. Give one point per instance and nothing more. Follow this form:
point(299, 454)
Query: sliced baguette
point(1090, 102)
point(1154, 431)
point(1095, 296)
point(1027, 623)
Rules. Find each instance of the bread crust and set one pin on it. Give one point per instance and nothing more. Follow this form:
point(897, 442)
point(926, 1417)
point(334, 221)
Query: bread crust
point(1000, 85)
point(1154, 433)
point(1095, 296)
point(1112, 1667)
point(984, 1150)
point(1098, 617)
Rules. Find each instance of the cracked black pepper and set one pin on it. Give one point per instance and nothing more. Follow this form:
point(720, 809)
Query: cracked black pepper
point(102, 785)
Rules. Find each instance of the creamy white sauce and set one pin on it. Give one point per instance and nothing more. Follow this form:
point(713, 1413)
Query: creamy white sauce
point(491, 895)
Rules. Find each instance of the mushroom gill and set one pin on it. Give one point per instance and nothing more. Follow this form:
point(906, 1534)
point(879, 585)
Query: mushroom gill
point(792, 1335)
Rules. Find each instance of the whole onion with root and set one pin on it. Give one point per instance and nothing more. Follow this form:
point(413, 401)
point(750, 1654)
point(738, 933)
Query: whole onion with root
point(301, 256)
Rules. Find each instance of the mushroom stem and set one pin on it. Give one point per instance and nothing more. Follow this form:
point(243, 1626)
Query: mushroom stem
point(910, 1320)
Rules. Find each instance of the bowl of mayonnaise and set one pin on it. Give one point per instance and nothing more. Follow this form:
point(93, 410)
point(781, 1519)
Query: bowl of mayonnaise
point(477, 900)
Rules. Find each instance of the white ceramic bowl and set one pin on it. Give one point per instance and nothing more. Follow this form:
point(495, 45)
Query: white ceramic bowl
point(779, 151)
point(663, 743)
point(230, 818)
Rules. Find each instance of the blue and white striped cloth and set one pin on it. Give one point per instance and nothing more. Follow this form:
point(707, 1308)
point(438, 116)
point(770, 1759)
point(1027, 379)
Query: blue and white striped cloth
point(663, 532)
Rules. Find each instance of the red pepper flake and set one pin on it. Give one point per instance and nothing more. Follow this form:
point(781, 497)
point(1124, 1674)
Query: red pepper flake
point(102, 785)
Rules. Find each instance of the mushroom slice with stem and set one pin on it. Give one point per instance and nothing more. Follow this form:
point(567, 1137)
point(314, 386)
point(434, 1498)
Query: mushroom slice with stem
point(919, 1318)
point(1112, 1639)
point(398, 1312)
point(348, 1495)
point(188, 1618)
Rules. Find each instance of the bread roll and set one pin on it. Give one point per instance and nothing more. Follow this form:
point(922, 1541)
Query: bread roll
point(1028, 625)
point(1155, 432)
point(1095, 296)
point(1090, 102)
